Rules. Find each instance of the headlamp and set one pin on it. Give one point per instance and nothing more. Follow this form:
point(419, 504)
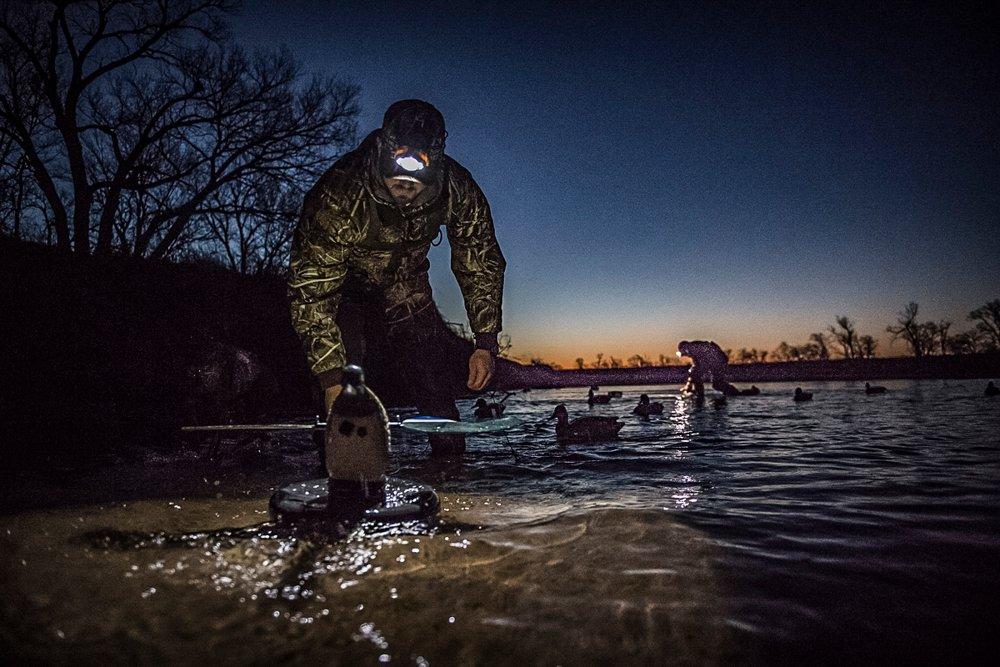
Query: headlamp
point(410, 160)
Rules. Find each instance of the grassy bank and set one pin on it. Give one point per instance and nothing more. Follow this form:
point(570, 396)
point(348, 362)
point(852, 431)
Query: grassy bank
point(101, 354)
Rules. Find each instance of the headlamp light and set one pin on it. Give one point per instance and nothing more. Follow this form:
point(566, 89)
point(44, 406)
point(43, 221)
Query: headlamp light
point(411, 160)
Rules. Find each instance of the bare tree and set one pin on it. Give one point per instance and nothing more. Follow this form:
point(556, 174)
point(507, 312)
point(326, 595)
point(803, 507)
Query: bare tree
point(783, 352)
point(820, 340)
point(19, 197)
point(599, 361)
point(866, 346)
point(614, 362)
point(943, 327)
point(138, 121)
point(580, 364)
point(845, 335)
point(808, 351)
point(987, 319)
point(920, 337)
point(637, 361)
point(967, 342)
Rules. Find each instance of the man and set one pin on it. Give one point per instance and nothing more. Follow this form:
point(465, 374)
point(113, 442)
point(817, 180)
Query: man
point(707, 358)
point(359, 286)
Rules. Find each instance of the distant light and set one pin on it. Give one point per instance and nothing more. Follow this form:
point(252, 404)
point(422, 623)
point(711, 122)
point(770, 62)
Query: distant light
point(679, 353)
point(409, 163)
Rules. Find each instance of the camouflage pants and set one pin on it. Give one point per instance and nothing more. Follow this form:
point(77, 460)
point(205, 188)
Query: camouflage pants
point(409, 359)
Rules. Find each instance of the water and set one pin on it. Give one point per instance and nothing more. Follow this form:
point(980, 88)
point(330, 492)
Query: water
point(848, 528)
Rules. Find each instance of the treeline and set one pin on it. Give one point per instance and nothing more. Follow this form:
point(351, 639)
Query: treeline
point(139, 128)
point(843, 340)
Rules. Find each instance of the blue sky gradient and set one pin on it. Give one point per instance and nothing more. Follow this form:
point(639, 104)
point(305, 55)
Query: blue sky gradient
point(742, 172)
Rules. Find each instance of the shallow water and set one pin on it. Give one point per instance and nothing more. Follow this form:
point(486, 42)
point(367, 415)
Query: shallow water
point(851, 527)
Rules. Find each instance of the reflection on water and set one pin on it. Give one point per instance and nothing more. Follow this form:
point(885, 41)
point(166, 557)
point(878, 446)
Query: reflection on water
point(854, 527)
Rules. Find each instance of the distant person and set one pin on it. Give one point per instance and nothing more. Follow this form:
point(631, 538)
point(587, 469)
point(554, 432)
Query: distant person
point(991, 390)
point(707, 359)
point(358, 276)
point(645, 408)
point(800, 395)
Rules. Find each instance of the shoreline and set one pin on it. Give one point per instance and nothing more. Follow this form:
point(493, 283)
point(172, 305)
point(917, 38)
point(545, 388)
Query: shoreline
point(950, 367)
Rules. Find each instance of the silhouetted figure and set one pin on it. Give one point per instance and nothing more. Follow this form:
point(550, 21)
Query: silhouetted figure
point(594, 387)
point(707, 359)
point(645, 408)
point(802, 395)
point(871, 391)
point(600, 399)
point(754, 390)
point(585, 429)
point(991, 390)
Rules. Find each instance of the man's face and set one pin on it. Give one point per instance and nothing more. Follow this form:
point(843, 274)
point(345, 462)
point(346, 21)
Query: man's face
point(403, 191)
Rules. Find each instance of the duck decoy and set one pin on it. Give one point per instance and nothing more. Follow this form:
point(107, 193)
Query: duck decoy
point(600, 399)
point(486, 410)
point(991, 390)
point(645, 408)
point(585, 429)
point(870, 390)
point(493, 409)
point(802, 395)
point(754, 390)
point(615, 394)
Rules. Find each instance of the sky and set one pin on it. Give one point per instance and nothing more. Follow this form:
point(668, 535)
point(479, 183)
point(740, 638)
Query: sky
point(741, 172)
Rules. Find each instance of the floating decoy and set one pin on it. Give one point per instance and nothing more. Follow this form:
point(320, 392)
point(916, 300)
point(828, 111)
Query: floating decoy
point(802, 395)
point(486, 411)
point(870, 390)
point(600, 399)
point(585, 429)
point(991, 390)
point(493, 409)
point(754, 390)
point(645, 408)
point(615, 394)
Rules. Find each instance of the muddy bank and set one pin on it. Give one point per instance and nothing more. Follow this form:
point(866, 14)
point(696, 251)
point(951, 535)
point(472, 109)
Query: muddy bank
point(104, 354)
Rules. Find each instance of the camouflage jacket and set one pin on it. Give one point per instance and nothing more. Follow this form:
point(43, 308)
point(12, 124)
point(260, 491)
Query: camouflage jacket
point(350, 233)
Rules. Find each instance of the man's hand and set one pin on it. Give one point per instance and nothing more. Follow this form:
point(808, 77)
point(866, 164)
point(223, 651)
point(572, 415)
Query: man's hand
point(330, 396)
point(481, 367)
